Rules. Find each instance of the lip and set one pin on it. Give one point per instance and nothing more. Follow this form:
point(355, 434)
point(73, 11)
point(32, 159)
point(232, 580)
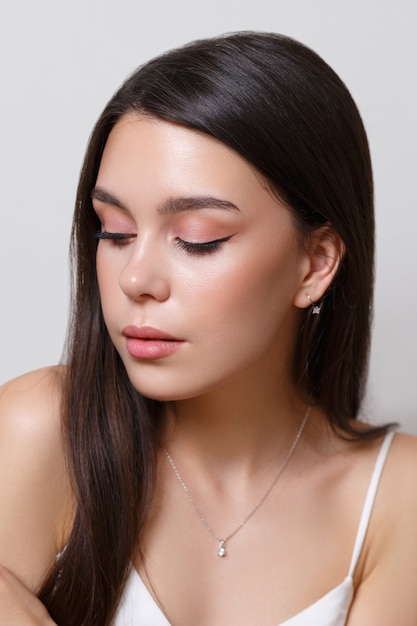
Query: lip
point(147, 332)
point(150, 343)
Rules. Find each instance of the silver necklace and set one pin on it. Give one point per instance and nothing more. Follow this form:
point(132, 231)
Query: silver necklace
point(221, 547)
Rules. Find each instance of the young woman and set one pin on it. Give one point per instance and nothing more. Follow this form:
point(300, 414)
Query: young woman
point(199, 458)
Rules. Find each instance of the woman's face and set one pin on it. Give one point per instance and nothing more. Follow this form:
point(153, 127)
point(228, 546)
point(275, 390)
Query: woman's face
point(198, 264)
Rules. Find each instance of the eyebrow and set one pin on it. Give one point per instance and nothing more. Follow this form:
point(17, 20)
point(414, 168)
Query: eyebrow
point(192, 203)
point(172, 205)
point(98, 193)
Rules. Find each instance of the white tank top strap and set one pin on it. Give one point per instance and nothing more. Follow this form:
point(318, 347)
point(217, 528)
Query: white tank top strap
point(369, 500)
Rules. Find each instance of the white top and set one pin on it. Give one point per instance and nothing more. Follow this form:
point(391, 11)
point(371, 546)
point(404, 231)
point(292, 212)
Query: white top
point(138, 607)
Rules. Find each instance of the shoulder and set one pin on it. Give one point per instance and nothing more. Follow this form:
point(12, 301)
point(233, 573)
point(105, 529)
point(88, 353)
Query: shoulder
point(404, 444)
point(396, 499)
point(35, 493)
point(399, 484)
point(400, 473)
point(30, 412)
point(388, 571)
point(41, 384)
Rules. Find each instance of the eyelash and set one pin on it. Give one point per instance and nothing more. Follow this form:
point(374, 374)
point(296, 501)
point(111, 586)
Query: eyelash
point(119, 239)
point(195, 248)
point(204, 247)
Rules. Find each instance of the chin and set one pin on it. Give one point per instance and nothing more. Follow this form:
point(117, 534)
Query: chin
point(158, 388)
point(165, 388)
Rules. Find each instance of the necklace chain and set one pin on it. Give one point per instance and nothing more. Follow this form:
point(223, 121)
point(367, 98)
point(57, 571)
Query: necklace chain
point(221, 549)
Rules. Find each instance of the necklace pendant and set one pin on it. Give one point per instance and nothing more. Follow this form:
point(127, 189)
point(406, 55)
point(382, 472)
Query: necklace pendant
point(221, 551)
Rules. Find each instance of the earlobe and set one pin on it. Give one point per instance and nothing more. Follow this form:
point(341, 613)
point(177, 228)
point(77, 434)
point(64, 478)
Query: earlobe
point(323, 258)
point(315, 308)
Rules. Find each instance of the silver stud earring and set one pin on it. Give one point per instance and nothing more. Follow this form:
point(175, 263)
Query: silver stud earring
point(316, 309)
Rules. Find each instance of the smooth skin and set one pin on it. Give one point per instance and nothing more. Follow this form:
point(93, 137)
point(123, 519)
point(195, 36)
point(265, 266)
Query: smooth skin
point(232, 411)
point(35, 496)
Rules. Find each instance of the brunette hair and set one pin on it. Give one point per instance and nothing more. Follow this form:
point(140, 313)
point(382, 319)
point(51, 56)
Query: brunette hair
point(285, 111)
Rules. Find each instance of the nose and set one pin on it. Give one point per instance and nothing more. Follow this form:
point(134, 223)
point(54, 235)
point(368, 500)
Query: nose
point(145, 275)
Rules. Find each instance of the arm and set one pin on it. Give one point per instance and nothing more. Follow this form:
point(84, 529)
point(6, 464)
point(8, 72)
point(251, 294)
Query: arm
point(387, 590)
point(35, 495)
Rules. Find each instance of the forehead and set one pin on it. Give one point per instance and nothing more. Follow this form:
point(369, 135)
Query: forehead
point(158, 151)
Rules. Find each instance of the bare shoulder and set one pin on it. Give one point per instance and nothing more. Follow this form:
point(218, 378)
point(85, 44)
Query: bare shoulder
point(41, 385)
point(398, 489)
point(401, 466)
point(396, 502)
point(35, 493)
point(388, 576)
point(30, 413)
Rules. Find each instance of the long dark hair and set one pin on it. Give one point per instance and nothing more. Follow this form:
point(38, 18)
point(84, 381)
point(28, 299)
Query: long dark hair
point(284, 110)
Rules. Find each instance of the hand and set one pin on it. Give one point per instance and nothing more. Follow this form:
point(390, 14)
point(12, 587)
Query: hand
point(18, 606)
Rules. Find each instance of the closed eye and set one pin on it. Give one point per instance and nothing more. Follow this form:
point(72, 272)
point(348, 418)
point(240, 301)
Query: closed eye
point(119, 239)
point(202, 247)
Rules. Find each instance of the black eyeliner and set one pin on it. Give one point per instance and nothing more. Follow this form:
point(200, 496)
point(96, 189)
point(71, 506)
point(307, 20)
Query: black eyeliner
point(100, 234)
point(203, 247)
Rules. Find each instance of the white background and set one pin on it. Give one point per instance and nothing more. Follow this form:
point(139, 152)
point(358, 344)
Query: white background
point(59, 64)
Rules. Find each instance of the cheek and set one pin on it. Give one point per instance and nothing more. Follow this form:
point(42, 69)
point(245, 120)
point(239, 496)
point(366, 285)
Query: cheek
point(244, 296)
point(108, 283)
point(102, 274)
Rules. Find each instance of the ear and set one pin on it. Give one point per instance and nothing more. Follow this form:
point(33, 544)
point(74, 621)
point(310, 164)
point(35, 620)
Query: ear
point(323, 256)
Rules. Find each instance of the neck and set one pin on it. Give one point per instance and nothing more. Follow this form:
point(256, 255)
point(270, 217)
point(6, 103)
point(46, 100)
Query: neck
point(229, 430)
point(230, 478)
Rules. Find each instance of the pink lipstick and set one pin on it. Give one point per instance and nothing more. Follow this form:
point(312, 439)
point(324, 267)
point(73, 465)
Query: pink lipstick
point(150, 343)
